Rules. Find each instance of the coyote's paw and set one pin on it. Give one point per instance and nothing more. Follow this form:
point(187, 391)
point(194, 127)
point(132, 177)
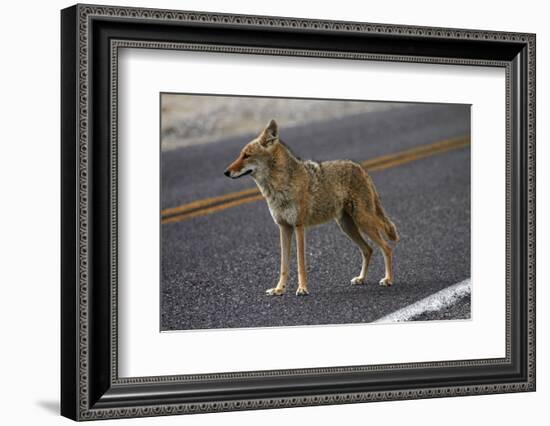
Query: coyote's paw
point(358, 281)
point(302, 291)
point(275, 291)
point(385, 282)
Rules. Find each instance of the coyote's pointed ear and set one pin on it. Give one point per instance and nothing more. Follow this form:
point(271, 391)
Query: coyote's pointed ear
point(270, 133)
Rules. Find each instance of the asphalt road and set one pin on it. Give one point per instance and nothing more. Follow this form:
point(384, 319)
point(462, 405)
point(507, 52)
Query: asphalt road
point(459, 310)
point(215, 268)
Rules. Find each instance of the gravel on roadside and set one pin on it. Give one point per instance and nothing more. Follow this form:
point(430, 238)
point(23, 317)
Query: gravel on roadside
point(197, 119)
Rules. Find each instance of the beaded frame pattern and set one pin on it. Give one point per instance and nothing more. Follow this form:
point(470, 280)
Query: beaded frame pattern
point(86, 12)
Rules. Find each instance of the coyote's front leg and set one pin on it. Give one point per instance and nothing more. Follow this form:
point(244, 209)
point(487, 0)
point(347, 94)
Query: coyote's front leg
point(301, 252)
point(285, 232)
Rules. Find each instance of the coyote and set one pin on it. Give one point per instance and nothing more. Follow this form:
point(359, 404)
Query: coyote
point(305, 193)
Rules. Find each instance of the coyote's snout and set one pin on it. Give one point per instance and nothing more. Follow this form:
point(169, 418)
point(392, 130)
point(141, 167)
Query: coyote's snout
point(304, 193)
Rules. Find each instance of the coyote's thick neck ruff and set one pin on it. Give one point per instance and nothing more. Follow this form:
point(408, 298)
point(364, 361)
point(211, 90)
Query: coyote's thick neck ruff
point(275, 179)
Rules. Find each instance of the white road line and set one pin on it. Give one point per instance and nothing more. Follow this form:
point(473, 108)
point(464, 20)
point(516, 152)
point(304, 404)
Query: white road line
point(434, 302)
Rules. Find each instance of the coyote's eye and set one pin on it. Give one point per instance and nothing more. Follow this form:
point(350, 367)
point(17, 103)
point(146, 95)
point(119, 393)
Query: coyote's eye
point(245, 156)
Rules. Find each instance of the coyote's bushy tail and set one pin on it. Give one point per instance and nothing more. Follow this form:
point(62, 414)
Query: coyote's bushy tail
point(389, 226)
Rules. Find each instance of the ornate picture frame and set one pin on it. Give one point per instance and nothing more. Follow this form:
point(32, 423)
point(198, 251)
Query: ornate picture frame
point(91, 37)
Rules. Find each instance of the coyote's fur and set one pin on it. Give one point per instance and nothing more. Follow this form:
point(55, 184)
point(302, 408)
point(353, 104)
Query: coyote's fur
point(304, 193)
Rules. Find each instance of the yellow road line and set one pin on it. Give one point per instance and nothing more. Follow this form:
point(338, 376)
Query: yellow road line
point(216, 208)
point(403, 157)
point(222, 202)
point(208, 202)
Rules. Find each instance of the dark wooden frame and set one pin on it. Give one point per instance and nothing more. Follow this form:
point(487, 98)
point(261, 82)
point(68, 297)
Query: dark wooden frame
point(90, 386)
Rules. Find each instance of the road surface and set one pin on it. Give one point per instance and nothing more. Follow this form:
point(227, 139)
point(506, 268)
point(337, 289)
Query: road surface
point(216, 267)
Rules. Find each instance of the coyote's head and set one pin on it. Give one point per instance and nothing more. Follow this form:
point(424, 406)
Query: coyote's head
point(255, 157)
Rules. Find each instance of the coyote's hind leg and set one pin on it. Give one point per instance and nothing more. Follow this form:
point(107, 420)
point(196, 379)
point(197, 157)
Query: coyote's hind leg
point(348, 226)
point(372, 226)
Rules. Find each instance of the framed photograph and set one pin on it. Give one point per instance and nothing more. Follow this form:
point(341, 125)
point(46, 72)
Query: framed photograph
point(263, 212)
